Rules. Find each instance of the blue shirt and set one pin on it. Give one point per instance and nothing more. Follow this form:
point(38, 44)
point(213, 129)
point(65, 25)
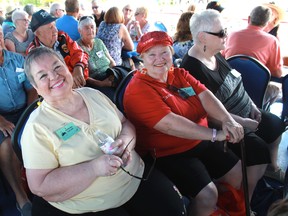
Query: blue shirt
point(69, 25)
point(13, 82)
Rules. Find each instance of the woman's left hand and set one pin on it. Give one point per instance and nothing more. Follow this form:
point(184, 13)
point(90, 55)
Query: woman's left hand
point(233, 130)
point(124, 149)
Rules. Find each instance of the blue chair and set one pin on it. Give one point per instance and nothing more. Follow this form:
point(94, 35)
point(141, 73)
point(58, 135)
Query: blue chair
point(284, 114)
point(18, 130)
point(255, 76)
point(120, 90)
point(159, 26)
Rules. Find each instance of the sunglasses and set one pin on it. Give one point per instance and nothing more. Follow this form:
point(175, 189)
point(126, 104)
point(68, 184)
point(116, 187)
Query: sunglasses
point(127, 9)
point(147, 174)
point(181, 92)
point(221, 34)
point(136, 14)
point(95, 7)
point(86, 17)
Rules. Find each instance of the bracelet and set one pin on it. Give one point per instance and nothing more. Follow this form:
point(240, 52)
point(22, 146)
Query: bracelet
point(214, 135)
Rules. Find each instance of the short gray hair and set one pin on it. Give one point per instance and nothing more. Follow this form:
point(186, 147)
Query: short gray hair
point(86, 21)
point(35, 55)
point(54, 7)
point(18, 14)
point(203, 21)
point(260, 16)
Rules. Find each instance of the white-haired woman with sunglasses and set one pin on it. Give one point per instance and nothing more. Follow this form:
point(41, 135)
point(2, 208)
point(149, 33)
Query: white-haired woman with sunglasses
point(66, 168)
point(99, 58)
point(205, 62)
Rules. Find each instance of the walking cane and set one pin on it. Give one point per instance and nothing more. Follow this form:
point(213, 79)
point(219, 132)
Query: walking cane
point(244, 174)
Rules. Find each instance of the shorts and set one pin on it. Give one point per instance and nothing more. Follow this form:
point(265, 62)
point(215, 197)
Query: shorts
point(270, 128)
point(193, 170)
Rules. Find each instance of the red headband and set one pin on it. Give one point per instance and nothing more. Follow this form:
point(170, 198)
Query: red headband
point(154, 38)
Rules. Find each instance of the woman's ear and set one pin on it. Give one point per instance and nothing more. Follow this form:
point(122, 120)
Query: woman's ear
point(202, 37)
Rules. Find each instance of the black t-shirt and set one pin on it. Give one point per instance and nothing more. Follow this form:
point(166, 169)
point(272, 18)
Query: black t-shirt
point(101, 18)
point(225, 83)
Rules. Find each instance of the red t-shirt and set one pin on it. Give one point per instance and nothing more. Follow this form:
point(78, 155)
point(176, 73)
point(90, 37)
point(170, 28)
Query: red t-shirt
point(147, 101)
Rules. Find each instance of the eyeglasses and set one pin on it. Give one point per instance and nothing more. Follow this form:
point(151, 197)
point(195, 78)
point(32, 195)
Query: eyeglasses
point(136, 14)
point(221, 34)
point(127, 9)
point(95, 7)
point(61, 10)
point(148, 173)
point(25, 20)
point(86, 17)
point(180, 91)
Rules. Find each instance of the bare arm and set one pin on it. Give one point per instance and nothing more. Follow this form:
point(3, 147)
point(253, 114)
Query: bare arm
point(62, 183)
point(179, 126)
point(10, 45)
point(124, 34)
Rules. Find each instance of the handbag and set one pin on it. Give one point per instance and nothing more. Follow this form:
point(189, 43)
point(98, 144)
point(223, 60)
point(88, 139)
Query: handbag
point(119, 72)
point(231, 200)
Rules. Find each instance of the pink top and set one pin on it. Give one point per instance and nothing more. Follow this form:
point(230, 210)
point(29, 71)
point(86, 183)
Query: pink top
point(253, 41)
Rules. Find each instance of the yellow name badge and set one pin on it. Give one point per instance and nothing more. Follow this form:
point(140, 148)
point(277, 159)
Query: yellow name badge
point(67, 131)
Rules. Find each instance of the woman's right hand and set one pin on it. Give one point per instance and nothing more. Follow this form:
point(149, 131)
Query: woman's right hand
point(107, 165)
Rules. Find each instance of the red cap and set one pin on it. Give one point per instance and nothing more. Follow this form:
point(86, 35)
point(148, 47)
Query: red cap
point(154, 38)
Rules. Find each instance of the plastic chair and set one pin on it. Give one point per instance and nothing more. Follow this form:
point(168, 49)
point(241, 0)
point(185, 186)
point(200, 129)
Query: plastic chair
point(284, 114)
point(159, 26)
point(18, 130)
point(120, 90)
point(255, 76)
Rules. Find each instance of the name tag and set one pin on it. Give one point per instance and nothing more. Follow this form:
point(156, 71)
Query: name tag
point(235, 73)
point(189, 91)
point(100, 54)
point(19, 70)
point(67, 131)
point(21, 77)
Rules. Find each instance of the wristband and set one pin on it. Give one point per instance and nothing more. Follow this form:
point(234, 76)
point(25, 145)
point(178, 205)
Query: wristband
point(214, 135)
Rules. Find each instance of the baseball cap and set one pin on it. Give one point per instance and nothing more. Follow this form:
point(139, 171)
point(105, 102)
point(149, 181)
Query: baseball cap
point(41, 18)
point(215, 5)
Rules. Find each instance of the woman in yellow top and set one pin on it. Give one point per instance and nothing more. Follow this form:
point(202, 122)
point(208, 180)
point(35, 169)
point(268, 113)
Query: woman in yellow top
point(66, 169)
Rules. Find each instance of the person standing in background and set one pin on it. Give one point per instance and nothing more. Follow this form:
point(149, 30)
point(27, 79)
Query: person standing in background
point(57, 10)
point(69, 22)
point(98, 13)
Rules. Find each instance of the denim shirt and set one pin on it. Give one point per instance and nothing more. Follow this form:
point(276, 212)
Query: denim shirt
point(13, 83)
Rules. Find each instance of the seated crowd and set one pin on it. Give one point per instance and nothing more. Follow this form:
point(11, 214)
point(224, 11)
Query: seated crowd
point(180, 138)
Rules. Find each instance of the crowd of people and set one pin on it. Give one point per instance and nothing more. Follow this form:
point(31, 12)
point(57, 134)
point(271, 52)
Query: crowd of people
point(180, 138)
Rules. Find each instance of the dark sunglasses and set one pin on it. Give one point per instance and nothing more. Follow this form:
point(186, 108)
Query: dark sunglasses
point(148, 173)
point(136, 14)
point(221, 34)
point(86, 17)
point(181, 92)
point(127, 9)
point(95, 7)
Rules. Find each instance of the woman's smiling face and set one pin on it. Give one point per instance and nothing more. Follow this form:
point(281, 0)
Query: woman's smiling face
point(158, 60)
point(52, 78)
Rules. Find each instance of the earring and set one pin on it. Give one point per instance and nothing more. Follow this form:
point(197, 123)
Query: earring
point(204, 48)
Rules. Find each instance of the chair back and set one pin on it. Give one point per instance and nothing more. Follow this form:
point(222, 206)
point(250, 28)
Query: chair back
point(255, 76)
point(18, 130)
point(284, 114)
point(159, 26)
point(120, 90)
